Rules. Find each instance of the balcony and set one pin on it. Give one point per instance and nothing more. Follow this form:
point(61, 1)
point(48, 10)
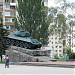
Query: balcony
point(10, 10)
point(9, 16)
point(12, 4)
point(1, 9)
point(9, 23)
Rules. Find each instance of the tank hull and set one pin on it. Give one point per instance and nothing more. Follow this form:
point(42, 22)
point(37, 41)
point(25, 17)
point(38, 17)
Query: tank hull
point(21, 43)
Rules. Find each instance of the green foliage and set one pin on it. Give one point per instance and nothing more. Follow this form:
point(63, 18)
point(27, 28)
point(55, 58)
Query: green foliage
point(68, 50)
point(58, 24)
point(72, 56)
point(32, 18)
point(56, 56)
point(3, 62)
point(3, 33)
point(16, 23)
point(70, 53)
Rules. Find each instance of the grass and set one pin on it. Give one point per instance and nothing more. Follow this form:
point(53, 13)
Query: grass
point(3, 62)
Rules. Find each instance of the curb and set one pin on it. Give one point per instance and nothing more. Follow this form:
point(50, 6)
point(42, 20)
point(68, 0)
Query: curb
point(46, 65)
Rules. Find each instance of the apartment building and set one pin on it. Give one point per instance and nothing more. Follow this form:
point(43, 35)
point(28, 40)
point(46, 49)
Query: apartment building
point(71, 39)
point(56, 44)
point(8, 10)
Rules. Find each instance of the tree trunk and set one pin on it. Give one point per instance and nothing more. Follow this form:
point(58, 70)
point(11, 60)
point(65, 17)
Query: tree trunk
point(1, 58)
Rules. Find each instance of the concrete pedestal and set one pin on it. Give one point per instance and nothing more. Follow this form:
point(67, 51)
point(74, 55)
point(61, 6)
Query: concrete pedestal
point(17, 54)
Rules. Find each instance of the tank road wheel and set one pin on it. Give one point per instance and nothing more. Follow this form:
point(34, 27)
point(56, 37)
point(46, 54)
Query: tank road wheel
point(21, 44)
point(8, 41)
point(17, 43)
point(25, 45)
point(12, 42)
point(29, 46)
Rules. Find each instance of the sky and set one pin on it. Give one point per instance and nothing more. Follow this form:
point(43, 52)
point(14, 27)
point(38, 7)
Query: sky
point(69, 11)
point(51, 2)
point(71, 0)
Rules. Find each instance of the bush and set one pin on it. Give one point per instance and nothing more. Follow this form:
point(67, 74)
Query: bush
point(56, 56)
point(70, 53)
point(72, 56)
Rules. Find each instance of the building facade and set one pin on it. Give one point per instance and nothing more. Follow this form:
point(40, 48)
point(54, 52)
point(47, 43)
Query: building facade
point(70, 40)
point(56, 44)
point(8, 10)
point(46, 2)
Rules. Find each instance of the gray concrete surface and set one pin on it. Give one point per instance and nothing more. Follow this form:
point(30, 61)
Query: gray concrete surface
point(23, 69)
point(64, 64)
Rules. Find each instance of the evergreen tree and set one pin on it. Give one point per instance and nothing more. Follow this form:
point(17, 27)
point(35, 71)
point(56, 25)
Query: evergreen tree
point(32, 18)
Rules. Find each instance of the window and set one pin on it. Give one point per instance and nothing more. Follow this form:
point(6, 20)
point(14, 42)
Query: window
point(13, 14)
point(7, 20)
point(55, 37)
point(12, 7)
point(52, 47)
point(55, 42)
point(60, 50)
point(7, 13)
point(7, 6)
point(52, 42)
point(74, 45)
point(7, 0)
point(13, 20)
point(56, 46)
point(56, 50)
point(13, 1)
point(60, 46)
point(52, 37)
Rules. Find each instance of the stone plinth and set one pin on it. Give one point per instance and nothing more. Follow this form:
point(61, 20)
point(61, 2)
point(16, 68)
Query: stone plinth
point(18, 54)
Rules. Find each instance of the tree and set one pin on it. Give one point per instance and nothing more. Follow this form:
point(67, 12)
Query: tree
point(1, 20)
point(32, 18)
point(3, 33)
point(61, 25)
point(68, 50)
point(56, 56)
point(58, 24)
point(70, 53)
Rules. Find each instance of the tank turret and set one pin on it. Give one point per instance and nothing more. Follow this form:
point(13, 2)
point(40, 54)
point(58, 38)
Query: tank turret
point(22, 34)
point(22, 39)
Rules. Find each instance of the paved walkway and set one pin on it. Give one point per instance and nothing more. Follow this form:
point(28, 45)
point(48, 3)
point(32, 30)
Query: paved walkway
point(67, 64)
point(34, 70)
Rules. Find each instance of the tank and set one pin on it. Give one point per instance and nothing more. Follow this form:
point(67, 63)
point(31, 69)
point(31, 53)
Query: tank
point(22, 39)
